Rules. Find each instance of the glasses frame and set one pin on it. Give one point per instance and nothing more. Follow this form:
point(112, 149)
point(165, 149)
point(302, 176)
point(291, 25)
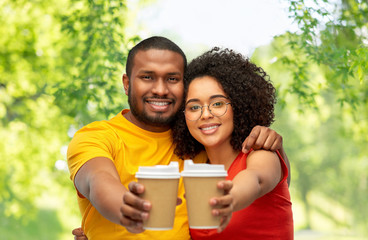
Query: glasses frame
point(209, 110)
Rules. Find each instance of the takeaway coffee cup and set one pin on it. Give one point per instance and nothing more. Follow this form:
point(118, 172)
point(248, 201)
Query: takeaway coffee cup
point(161, 189)
point(200, 183)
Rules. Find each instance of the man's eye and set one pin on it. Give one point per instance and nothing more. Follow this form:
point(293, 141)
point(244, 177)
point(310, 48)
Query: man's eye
point(173, 79)
point(146, 77)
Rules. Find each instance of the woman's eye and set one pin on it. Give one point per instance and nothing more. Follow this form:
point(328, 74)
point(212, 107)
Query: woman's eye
point(194, 108)
point(218, 104)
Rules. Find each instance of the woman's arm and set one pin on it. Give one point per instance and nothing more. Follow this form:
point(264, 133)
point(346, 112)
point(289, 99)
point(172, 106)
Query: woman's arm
point(267, 139)
point(286, 160)
point(261, 176)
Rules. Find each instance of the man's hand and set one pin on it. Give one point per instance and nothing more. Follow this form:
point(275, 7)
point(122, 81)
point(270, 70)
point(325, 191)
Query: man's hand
point(79, 234)
point(265, 138)
point(223, 206)
point(262, 138)
point(134, 209)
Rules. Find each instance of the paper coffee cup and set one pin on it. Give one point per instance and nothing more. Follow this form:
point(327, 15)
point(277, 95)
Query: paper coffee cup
point(200, 183)
point(161, 189)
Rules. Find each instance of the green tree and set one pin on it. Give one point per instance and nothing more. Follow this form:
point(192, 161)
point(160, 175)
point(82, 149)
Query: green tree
point(334, 36)
point(321, 75)
point(31, 124)
point(96, 51)
point(60, 65)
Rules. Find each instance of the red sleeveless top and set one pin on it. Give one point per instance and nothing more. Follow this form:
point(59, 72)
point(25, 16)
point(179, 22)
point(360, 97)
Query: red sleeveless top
point(268, 217)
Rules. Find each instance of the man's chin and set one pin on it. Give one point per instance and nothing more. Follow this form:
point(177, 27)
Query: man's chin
point(157, 119)
point(160, 119)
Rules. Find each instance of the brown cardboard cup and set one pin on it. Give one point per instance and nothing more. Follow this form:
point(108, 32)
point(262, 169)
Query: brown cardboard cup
point(200, 183)
point(161, 189)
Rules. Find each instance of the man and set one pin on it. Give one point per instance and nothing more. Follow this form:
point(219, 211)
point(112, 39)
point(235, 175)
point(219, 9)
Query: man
point(104, 156)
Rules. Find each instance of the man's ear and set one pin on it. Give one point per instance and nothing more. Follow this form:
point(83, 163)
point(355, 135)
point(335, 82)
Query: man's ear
point(126, 83)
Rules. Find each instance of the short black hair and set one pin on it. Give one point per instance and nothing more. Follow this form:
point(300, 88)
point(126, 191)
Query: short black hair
point(155, 42)
point(248, 88)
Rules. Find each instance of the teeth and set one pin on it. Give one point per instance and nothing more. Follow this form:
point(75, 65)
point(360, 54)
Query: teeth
point(160, 103)
point(211, 127)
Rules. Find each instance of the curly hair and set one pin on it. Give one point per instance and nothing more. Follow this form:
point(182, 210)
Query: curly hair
point(248, 87)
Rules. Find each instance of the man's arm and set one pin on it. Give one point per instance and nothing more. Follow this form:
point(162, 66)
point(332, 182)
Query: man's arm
point(99, 181)
point(265, 138)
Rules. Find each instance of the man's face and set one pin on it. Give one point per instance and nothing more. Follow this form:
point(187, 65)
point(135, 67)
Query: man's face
point(155, 88)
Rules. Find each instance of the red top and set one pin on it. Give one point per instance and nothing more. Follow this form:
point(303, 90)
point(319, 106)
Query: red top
point(268, 217)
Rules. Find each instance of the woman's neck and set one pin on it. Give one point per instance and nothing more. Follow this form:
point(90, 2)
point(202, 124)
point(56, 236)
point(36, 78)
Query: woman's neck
point(224, 154)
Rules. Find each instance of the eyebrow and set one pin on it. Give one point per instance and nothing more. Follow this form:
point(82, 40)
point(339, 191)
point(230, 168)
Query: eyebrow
point(152, 72)
point(145, 71)
point(212, 97)
point(174, 73)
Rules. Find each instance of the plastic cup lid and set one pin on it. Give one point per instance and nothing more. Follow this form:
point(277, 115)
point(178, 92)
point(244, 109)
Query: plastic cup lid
point(203, 170)
point(159, 171)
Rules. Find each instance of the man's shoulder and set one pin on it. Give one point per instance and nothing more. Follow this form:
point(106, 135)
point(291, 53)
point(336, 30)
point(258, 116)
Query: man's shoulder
point(103, 125)
point(95, 126)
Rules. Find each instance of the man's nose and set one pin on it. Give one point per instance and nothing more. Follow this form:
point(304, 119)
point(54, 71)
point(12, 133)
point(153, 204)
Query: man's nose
point(160, 87)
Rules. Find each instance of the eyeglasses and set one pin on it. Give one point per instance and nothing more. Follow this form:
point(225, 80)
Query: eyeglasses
point(193, 111)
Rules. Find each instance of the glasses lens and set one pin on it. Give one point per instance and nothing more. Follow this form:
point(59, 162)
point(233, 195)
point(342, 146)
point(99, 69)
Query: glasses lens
point(218, 108)
point(193, 111)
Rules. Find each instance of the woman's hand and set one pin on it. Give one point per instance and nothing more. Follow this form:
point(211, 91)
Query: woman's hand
point(223, 206)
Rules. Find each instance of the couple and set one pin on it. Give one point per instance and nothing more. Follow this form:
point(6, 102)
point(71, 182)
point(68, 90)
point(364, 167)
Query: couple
point(224, 97)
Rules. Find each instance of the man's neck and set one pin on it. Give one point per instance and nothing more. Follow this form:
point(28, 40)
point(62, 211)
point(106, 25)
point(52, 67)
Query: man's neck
point(151, 128)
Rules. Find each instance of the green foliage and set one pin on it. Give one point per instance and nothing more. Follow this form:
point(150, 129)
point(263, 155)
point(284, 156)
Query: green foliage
point(325, 144)
point(333, 36)
point(44, 226)
point(321, 75)
point(32, 126)
point(96, 51)
point(60, 65)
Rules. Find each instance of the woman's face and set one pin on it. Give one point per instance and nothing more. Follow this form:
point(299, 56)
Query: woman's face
point(209, 130)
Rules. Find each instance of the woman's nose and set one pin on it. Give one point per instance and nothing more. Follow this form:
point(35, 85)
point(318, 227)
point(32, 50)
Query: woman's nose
point(206, 113)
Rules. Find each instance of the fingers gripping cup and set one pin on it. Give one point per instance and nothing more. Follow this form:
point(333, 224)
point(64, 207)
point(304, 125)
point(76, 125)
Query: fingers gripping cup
point(200, 183)
point(161, 189)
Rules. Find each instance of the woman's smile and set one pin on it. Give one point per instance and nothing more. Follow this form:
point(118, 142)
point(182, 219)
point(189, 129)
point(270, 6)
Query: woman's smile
point(209, 128)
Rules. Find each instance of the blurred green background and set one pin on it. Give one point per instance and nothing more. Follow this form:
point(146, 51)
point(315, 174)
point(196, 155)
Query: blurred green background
point(61, 64)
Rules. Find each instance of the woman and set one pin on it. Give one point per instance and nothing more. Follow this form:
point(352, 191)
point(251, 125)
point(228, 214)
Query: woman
point(225, 97)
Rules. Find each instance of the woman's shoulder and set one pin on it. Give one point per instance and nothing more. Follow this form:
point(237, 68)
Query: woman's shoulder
point(262, 154)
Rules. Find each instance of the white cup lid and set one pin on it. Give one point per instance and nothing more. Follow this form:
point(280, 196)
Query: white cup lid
point(203, 170)
point(159, 171)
